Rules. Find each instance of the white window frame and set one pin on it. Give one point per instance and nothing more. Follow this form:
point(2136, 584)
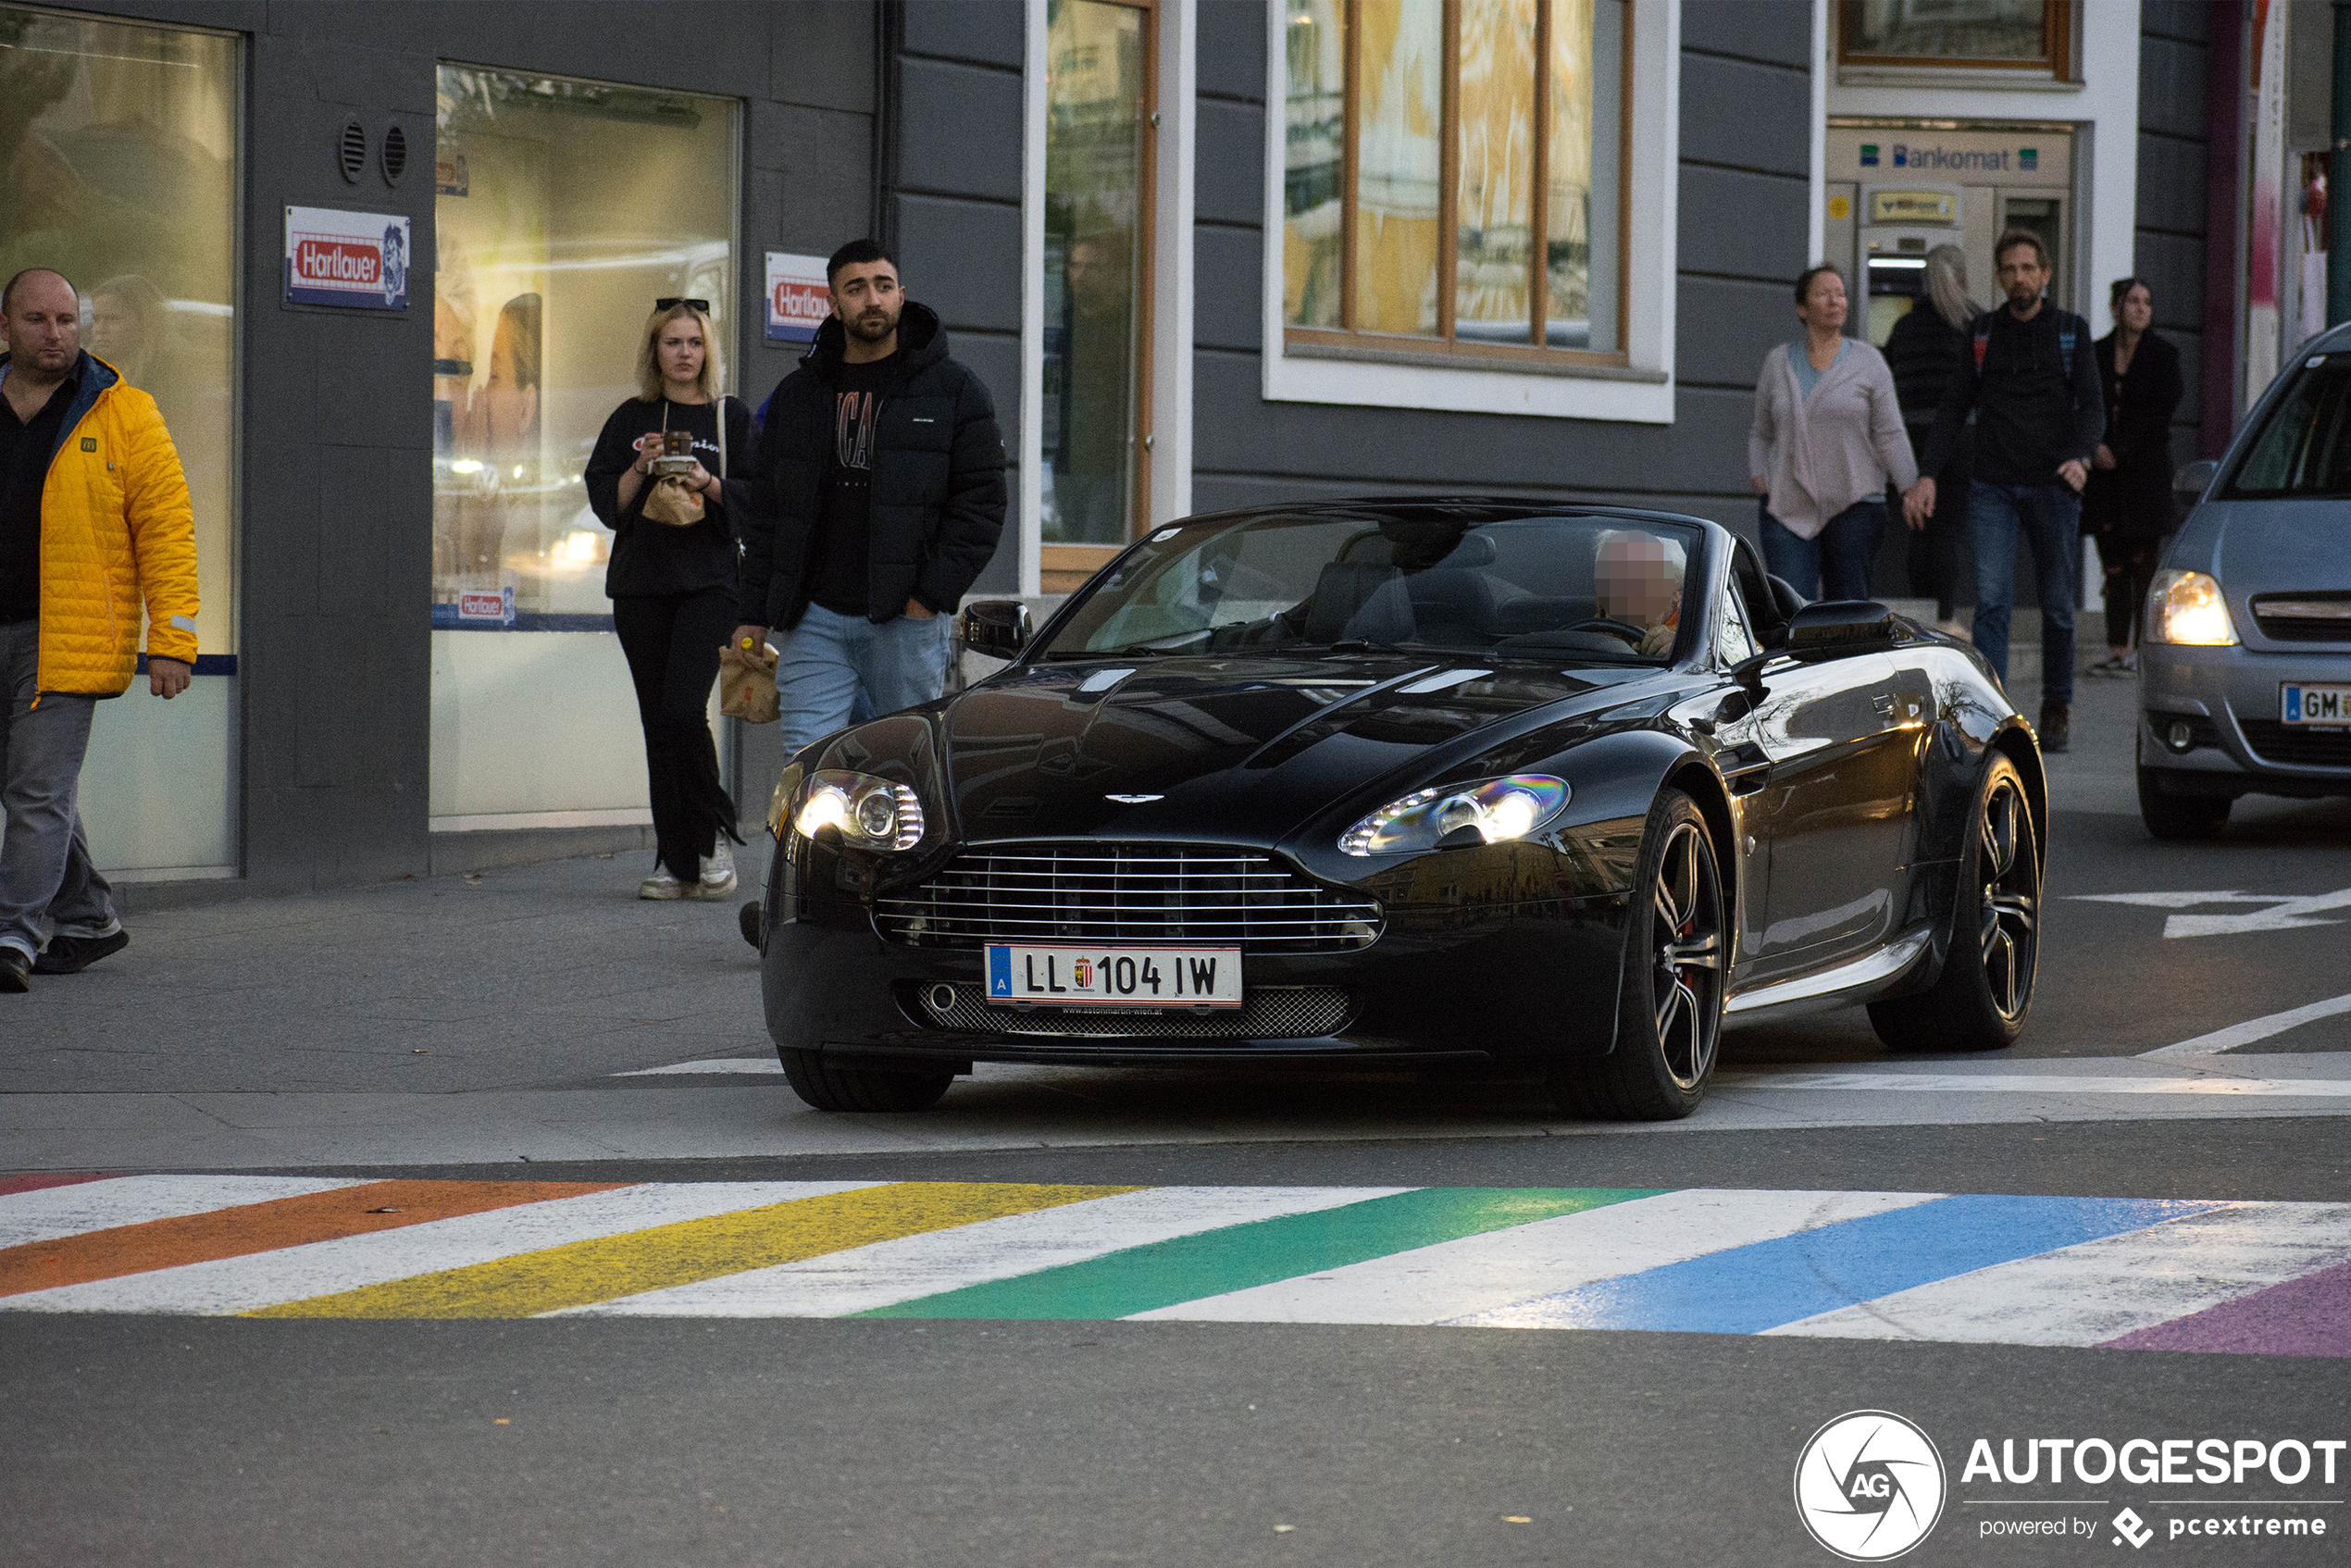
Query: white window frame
point(1640, 393)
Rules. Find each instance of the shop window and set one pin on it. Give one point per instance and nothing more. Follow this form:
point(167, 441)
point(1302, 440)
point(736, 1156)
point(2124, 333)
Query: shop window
point(1097, 194)
point(118, 169)
point(1452, 178)
point(563, 211)
point(2035, 35)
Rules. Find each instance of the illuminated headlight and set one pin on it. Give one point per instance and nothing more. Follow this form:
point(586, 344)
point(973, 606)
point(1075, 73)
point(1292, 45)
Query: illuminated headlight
point(869, 812)
point(1475, 813)
point(2186, 608)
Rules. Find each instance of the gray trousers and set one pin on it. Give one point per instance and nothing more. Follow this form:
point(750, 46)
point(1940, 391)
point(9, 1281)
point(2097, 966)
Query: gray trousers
point(48, 883)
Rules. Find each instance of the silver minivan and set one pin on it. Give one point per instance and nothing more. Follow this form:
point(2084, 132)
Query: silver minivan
point(2244, 672)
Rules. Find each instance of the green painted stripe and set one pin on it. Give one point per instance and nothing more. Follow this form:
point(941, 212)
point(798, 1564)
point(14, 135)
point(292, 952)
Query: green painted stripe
point(1236, 1257)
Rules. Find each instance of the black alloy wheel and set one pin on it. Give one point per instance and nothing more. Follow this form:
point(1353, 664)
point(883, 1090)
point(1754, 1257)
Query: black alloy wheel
point(1669, 1010)
point(830, 1086)
point(1980, 1000)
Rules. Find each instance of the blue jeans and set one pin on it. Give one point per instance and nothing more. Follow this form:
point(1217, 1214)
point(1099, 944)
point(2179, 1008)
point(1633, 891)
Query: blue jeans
point(2049, 516)
point(1833, 563)
point(48, 884)
point(828, 661)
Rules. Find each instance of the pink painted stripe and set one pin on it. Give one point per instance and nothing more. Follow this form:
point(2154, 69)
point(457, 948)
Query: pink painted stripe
point(2309, 1316)
point(46, 1180)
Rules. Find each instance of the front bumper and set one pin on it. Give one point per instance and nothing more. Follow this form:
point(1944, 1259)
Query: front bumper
point(1528, 982)
point(2227, 698)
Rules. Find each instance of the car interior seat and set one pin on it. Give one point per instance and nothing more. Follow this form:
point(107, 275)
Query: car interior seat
point(1359, 601)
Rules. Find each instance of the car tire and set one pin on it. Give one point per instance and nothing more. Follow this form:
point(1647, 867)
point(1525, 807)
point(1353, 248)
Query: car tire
point(1980, 1000)
point(828, 1087)
point(2180, 818)
point(1669, 1022)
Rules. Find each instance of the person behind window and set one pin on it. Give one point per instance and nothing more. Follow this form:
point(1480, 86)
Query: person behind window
point(1639, 577)
point(1827, 436)
point(2127, 506)
point(1923, 352)
point(672, 585)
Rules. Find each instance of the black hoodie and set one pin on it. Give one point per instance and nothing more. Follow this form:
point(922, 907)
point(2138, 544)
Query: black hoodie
point(937, 491)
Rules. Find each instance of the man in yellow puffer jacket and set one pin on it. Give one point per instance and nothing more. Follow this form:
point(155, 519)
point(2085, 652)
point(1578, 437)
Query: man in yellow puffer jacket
point(94, 519)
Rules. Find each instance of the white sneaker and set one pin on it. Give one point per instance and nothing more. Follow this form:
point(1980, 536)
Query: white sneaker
point(718, 874)
point(662, 884)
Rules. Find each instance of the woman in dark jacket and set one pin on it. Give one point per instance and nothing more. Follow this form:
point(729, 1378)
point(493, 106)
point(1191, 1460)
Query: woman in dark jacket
point(1924, 351)
point(2127, 506)
point(672, 585)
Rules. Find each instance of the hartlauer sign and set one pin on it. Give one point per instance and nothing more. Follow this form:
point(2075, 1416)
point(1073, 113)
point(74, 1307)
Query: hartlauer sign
point(798, 300)
point(346, 258)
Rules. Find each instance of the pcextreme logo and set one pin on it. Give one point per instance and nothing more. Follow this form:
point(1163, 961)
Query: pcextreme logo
point(1870, 1485)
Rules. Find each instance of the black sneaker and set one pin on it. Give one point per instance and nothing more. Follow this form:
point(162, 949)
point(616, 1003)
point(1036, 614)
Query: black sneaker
point(2057, 725)
point(15, 969)
point(72, 955)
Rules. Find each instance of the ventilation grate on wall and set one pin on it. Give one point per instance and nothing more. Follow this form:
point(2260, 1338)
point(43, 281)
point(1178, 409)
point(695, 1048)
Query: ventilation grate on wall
point(351, 151)
point(395, 155)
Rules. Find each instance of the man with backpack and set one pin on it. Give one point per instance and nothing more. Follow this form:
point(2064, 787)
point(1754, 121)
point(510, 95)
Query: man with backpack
point(2031, 378)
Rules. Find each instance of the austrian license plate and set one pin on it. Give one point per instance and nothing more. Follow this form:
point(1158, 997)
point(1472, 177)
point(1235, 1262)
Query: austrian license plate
point(2315, 705)
point(1063, 975)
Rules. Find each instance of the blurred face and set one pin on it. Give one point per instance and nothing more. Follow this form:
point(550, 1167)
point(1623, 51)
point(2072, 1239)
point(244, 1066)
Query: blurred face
point(1823, 307)
point(681, 351)
point(1639, 581)
point(866, 298)
point(44, 326)
point(117, 329)
point(2021, 275)
point(2137, 309)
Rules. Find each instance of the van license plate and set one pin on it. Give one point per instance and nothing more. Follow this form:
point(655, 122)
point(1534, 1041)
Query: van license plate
point(2315, 705)
point(1063, 975)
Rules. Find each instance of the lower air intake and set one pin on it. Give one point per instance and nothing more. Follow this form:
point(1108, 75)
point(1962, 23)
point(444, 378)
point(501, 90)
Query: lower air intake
point(1270, 1012)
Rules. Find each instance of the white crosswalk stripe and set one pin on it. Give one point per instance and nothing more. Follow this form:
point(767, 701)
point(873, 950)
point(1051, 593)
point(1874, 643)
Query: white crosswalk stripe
point(48, 1212)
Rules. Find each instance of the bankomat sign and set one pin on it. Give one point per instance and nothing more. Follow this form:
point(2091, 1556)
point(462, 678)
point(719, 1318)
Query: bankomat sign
point(1980, 160)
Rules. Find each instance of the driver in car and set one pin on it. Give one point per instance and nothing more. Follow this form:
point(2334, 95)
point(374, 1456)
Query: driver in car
point(1639, 580)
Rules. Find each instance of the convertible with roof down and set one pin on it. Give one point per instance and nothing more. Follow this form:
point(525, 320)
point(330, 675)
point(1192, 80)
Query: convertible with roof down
point(1509, 786)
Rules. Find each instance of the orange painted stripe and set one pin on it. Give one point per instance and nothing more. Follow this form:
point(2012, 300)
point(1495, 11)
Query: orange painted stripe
point(260, 1227)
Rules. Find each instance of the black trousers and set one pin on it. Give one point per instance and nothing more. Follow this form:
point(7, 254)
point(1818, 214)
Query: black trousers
point(673, 642)
point(2130, 572)
point(1938, 557)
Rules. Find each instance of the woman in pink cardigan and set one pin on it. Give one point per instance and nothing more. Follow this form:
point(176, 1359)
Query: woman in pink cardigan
point(1827, 437)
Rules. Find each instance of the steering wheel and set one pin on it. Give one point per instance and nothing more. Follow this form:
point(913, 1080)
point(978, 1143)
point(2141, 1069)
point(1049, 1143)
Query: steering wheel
point(1614, 627)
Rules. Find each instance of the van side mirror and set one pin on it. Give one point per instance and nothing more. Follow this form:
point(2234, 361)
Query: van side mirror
point(2194, 478)
point(997, 628)
point(1830, 626)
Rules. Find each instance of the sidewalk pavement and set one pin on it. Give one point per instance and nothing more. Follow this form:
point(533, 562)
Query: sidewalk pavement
point(483, 1017)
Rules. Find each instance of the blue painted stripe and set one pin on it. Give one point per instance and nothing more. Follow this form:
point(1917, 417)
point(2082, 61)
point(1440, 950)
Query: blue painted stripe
point(444, 618)
point(206, 664)
point(1747, 1289)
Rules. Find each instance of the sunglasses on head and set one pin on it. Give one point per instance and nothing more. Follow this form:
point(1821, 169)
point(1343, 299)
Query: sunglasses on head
point(675, 300)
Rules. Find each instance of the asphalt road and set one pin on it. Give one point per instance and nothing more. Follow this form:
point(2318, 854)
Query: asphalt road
point(416, 1023)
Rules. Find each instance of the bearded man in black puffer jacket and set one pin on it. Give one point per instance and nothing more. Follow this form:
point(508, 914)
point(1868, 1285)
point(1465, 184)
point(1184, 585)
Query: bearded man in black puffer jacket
point(879, 501)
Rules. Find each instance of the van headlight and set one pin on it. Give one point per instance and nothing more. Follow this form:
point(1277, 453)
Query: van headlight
point(871, 813)
point(2186, 608)
point(1490, 813)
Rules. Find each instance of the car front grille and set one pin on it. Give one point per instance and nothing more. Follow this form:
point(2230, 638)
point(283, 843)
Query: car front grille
point(2304, 617)
point(1128, 892)
point(2295, 745)
point(1270, 1012)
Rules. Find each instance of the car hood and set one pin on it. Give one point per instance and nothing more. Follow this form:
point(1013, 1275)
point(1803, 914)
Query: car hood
point(1222, 749)
point(2276, 546)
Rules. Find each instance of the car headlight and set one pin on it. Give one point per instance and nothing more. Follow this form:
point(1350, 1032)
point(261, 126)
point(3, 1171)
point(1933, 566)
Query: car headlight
point(2186, 608)
point(1469, 813)
point(872, 812)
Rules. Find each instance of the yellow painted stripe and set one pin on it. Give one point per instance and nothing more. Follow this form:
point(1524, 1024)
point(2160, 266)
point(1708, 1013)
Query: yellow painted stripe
point(612, 1266)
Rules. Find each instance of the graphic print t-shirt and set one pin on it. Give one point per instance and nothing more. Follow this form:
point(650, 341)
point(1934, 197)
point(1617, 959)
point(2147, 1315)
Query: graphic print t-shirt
point(845, 524)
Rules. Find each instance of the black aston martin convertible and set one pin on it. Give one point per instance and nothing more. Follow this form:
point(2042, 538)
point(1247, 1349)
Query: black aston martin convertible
point(1548, 789)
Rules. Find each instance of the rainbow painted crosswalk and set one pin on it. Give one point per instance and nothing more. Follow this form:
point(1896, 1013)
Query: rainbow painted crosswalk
point(2271, 1277)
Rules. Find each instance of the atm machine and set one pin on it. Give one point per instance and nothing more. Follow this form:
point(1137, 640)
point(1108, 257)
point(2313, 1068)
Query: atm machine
point(1899, 225)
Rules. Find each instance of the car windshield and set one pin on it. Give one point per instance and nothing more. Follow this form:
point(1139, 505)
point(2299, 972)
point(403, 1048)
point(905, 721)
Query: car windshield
point(1605, 590)
point(2305, 449)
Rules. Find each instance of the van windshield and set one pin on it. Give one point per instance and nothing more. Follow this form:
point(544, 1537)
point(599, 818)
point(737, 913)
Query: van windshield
point(2304, 450)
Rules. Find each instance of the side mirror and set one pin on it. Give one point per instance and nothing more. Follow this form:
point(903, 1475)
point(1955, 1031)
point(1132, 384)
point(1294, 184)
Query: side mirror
point(997, 628)
point(2194, 478)
point(1830, 626)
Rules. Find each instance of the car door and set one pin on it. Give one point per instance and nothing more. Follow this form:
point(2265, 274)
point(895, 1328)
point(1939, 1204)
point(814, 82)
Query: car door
point(1830, 812)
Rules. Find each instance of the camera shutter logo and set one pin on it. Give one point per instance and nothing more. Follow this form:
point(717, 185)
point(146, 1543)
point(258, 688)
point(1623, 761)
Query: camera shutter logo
point(1870, 1485)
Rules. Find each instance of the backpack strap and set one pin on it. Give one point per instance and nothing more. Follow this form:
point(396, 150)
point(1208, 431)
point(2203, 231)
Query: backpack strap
point(1983, 341)
point(2065, 343)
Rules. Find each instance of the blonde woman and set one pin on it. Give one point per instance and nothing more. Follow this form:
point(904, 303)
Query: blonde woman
point(1826, 437)
point(672, 583)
